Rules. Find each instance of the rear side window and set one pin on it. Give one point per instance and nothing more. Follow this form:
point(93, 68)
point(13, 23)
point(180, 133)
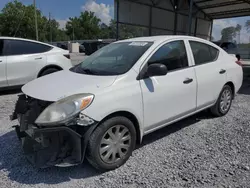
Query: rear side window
point(203, 53)
point(19, 47)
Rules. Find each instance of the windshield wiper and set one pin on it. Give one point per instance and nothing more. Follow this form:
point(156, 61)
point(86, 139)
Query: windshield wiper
point(79, 69)
point(88, 71)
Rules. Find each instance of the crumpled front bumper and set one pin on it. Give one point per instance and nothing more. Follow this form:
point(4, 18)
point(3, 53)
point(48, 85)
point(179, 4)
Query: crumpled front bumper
point(49, 146)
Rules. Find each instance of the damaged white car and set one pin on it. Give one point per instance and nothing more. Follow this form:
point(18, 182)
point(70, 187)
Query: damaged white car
point(102, 107)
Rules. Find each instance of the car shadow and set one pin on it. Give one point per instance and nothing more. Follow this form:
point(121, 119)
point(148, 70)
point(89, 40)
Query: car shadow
point(20, 170)
point(245, 88)
point(172, 128)
point(10, 91)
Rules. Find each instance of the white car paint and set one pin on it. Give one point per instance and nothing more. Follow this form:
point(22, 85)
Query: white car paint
point(3, 66)
point(61, 87)
point(20, 69)
point(156, 101)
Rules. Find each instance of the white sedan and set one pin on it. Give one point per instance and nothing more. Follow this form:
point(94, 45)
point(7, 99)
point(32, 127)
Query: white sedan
point(23, 60)
point(102, 107)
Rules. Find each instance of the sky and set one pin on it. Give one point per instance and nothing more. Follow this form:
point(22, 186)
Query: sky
point(61, 10)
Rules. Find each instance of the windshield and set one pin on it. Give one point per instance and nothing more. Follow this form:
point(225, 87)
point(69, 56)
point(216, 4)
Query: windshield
point(113, 59)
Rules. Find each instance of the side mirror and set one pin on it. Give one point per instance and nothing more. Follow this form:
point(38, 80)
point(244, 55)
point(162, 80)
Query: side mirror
point(156, 69)
point(237, 56)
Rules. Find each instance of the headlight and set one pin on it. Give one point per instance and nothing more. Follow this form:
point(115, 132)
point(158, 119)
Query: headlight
point(64, 109)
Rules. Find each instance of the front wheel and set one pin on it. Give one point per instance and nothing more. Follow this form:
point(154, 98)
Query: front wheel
point(224, 102)
point(111, 144)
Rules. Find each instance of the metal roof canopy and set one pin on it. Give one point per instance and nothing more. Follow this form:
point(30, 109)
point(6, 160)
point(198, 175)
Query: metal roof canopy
point(219, 9)
point(206, 10)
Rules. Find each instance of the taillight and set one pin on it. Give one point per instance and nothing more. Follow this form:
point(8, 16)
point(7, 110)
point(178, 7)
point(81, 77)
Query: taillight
point(239, 63)
point(67, 56)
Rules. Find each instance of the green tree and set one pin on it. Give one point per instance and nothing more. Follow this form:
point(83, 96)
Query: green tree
point(130, 31)
point(228, 33)
point(54, 33)
point(61, 35)
point(86, 26)
point(125, 31)
point(247, 25)
point(108, 32)
point(238, 28)
point(18, 20)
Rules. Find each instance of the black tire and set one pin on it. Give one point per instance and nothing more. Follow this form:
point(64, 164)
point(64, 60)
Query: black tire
point(216, 109)
point(48, 71)
point(94, 156)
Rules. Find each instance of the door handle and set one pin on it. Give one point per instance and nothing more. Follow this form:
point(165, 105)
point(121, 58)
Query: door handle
point(187, 80)
point(38, 58)
point(222, 71)
point(1, 61)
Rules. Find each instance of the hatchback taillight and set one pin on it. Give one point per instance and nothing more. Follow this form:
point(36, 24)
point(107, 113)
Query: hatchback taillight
point(67, 56)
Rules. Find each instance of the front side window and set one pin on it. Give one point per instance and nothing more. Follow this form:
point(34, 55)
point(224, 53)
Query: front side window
point(113, 59)
point(173, 55)
point(20, 47)
point(203, 53)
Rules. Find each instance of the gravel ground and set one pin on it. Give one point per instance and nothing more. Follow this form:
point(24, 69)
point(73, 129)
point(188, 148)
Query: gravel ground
point(200, 151)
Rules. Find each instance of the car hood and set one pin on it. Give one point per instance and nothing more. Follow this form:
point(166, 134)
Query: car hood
point(64, 83)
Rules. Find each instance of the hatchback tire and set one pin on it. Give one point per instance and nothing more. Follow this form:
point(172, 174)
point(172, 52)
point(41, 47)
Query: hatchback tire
point(111, 144)
point(224, 101)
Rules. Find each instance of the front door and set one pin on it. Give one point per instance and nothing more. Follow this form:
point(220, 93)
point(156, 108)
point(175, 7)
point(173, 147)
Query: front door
point(172, 96)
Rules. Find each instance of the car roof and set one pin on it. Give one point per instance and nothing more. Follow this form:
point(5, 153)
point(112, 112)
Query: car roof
point(161, 38)
point(29, 40)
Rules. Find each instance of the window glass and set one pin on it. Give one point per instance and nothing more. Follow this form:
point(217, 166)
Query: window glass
point(214, 53)
point(1, 47)
point(19, 47)
point(172, 54)
point(203, 53)
point(112, 59)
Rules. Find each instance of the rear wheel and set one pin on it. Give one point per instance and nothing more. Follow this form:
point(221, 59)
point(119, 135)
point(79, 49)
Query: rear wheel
point(48, 71)
point(224, 102)
point(111, 144)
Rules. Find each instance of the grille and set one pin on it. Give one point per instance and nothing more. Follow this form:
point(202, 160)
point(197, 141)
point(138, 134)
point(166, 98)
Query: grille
point(30, 108)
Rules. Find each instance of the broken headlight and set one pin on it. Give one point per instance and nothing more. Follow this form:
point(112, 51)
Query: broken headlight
point(64, 110)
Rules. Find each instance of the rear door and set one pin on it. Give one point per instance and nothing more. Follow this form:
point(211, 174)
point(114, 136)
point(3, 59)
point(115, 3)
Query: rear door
point(24, 60)
point(3, 78)
point(210, 72)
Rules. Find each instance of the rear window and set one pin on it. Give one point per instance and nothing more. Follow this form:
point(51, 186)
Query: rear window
point(20, 47)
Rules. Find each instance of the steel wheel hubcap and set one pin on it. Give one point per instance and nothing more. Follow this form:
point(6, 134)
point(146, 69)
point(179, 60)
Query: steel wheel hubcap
point(115, 144)
point(225, 100)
